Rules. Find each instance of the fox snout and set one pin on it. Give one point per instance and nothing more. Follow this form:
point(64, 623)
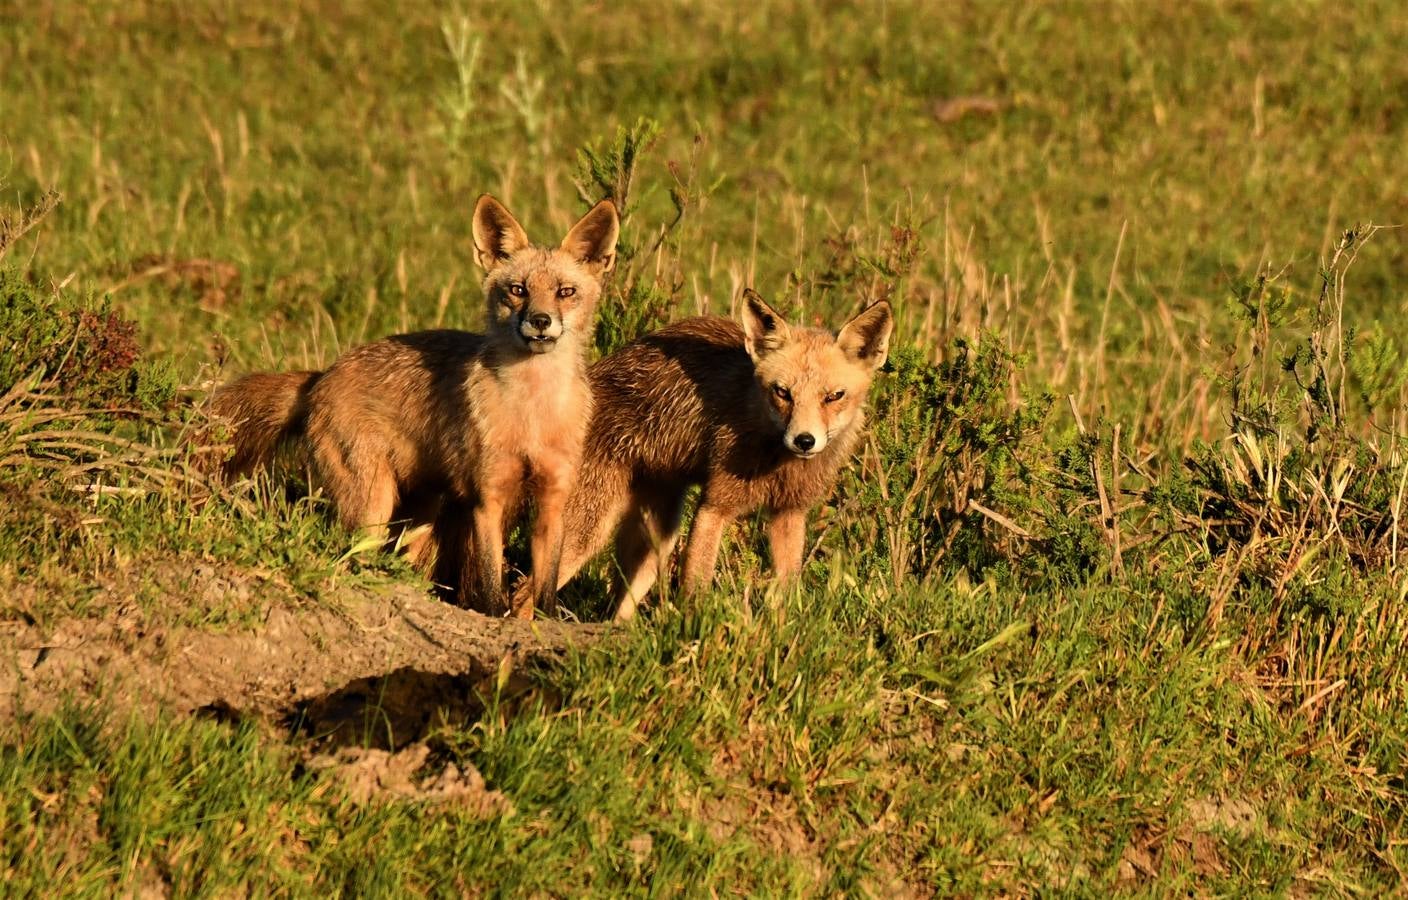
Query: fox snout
point(803, 440)
point(805, 443)
point(539, 329)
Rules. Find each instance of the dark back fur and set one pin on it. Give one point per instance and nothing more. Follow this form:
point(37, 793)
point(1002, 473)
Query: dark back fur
point(706, 422)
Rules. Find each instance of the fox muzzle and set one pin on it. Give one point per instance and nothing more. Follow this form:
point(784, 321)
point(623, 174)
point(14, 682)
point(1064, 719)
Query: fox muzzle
point(805, 444)
point(539, 330)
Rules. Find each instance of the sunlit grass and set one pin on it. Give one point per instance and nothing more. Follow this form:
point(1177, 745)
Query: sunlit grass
point(1109, 601)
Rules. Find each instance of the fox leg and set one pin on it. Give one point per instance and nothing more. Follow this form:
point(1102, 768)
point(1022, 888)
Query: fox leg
point(482, 578)
point(598, 503)
point(371, 503)
point(418, 539)
point(352, 463)
point(554, 486)
point(581, 541)
point(702, 551)
point(421, 551)
point(643, 548)
point(363, 492)
point(450, 555)
point(787, 536)
point(590, 517)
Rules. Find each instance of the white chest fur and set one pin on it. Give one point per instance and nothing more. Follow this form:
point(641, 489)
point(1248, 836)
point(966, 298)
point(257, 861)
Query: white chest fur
point(536, 408)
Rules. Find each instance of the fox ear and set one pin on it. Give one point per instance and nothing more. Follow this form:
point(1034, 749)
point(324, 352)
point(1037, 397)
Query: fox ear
point(866, 338)
point(763, 329)
point(593, 239)
point(497, 234)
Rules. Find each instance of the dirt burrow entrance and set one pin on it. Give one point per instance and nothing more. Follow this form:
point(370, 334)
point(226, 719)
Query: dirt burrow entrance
point(377, 667)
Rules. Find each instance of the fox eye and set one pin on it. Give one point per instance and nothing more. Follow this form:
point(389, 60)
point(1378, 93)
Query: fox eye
point(566, 291)
point(833, 396)
point(518, 290)
point(782, 393)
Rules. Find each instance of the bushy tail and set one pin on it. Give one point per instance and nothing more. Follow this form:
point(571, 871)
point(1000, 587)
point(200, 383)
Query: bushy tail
point(264, 410)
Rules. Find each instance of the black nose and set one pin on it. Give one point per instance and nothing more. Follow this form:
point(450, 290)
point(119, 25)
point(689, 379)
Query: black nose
point(540, 321)
point(804, 441)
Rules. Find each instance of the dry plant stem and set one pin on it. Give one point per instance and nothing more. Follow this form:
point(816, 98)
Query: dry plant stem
point(15, 225)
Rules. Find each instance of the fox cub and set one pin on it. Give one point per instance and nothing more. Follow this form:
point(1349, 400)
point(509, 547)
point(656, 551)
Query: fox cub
point(421, 427)
point(762, 415)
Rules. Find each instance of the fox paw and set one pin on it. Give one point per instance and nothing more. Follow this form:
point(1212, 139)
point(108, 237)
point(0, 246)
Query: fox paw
point(520, 604)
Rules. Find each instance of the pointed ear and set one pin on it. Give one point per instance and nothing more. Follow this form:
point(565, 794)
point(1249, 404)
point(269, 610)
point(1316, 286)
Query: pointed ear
point(593, 239)
point(866, 338)
point(764, 330)
point(497, 234)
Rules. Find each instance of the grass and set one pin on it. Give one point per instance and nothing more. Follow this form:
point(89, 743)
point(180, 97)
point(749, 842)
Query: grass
point(1109, 602)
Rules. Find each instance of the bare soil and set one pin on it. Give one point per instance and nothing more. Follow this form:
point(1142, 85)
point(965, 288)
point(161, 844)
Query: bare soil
point(363, 666)
point(369, 775)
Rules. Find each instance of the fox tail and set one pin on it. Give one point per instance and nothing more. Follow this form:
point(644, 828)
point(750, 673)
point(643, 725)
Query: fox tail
point(265, 411)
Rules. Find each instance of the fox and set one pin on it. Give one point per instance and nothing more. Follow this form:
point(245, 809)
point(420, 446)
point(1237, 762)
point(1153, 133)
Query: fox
point(449, 429)
point(757, 413)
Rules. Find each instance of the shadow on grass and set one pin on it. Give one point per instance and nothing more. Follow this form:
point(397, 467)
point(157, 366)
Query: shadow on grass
point(407, 705)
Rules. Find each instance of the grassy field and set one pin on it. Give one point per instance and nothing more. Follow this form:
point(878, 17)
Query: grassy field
point(1108, 603)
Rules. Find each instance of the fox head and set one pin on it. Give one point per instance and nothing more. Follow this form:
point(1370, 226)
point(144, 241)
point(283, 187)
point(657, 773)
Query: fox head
point(813, 382)
point(538, 295)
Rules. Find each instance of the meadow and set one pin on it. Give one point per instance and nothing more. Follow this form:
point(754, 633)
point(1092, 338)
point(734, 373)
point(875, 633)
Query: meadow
point(1108, 603)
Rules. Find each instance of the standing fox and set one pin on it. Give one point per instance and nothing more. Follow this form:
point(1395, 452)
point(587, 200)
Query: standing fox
point(423, 426)
point(762, 415)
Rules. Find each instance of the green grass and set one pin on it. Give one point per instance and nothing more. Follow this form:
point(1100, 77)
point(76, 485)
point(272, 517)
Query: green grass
point(1162, 654)
point(804, 749)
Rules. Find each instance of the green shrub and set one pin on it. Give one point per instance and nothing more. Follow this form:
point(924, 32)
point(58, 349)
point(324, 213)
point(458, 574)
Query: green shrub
point(76, 347)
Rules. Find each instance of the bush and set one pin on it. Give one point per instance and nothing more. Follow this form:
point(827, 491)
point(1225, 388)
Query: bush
point(78, 348)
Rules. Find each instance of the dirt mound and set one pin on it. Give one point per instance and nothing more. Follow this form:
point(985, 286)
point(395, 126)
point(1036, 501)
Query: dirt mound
point(370, 774)
point(377, 666)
